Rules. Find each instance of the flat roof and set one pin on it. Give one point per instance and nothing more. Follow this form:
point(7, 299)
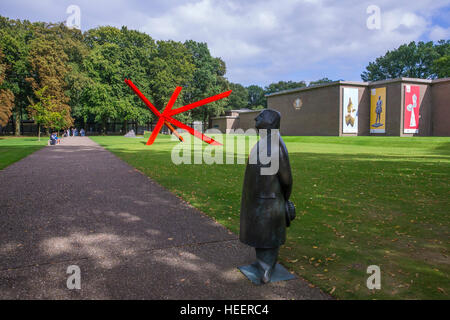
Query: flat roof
point(237, 111)
point(241, 110)
point(402, 79)
point(356, 83)
point(249, 111)
point(225, 117)
point(322, 85)
point(441, 80)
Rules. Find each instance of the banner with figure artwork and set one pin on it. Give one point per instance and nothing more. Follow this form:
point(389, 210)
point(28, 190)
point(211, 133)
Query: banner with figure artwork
point(411, 112)
point(378, 110)
point(350, 111)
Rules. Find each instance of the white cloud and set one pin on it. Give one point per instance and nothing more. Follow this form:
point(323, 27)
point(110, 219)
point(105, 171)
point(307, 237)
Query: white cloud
point(263, 41)
point(438, 33)
point(260, 39)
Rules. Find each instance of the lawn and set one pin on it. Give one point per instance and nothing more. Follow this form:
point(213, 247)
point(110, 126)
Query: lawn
point(360, 201)
point(13, 149)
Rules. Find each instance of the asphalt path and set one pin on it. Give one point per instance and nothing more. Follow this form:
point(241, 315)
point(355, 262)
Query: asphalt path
point(77, 204)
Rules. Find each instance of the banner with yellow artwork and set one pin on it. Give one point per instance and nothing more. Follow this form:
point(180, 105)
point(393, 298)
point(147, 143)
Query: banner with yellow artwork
point(350, 110)
point(378, 110)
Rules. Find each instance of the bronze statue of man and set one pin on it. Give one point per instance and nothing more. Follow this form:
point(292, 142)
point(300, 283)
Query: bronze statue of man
point(265, 206)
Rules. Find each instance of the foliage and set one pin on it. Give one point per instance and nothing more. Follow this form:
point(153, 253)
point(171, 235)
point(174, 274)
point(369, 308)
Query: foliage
point(441, 66)
point(424, 60)
point(114, 56)
point(15, 36)
point(256, 98)
point(320, 81)
point(49, 67)
point(256, 95)
point(47, 112)
point(384, 202)
point(6, 96)
point(283, 85)
point(239, 98)
point(84, 73)
point(207, 80)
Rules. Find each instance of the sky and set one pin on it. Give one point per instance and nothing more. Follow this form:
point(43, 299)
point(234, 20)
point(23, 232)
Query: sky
point(265, 41)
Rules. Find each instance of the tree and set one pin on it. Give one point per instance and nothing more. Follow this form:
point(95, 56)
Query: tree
point(207, 80)
point(15, 36)
point(283, 85)
point(46, 112)
point(102, 92)
point(441, 66)
point(6, 95)
point(239, 98)
point(421, 60)
point(320, 81)
point(76, 80)
point(123, 54)
point(49, 67)
point(256, 98)
point(171, 65)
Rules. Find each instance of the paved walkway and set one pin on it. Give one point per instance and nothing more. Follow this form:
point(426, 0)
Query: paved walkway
point(78, 204)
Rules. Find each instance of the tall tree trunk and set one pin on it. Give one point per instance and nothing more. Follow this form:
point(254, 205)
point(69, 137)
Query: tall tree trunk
point(204, 121)
point(39, 132)
point(17, 123)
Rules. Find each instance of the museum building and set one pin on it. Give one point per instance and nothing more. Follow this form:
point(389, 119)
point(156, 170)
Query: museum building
point(397, 107)
point(235, 119)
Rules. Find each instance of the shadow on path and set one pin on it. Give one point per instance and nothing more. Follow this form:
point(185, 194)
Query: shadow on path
point(78, 204)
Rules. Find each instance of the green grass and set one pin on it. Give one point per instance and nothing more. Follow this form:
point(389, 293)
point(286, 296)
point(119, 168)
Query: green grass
point(360, 201)
point(13, 149)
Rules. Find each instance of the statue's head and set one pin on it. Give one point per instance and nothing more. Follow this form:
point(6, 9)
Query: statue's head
point(268, 119)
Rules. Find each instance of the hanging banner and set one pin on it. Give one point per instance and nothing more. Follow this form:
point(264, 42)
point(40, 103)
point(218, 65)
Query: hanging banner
point(378, 110)
point(411, 112)
point(350, 111)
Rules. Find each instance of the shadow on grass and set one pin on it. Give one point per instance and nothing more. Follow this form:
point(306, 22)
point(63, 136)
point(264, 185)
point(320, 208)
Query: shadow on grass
point(12, 153)
point(359, 205)
point(130, 238)
point(444, 148)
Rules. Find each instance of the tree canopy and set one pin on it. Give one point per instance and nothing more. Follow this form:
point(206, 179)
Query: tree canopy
point(283, 85)
point(425, 60)
point(60, 76)
point(6, 96)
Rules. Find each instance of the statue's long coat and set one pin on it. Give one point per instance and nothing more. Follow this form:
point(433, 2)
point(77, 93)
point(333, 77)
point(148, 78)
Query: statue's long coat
point(263, 220)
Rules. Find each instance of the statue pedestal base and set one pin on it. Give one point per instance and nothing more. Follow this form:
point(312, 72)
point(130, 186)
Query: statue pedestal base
point(253, 273)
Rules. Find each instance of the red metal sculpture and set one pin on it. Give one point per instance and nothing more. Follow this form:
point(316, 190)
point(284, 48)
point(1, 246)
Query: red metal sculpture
point(166, 116)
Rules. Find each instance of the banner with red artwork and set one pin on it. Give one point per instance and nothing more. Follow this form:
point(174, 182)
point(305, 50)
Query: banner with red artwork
point(411, 112)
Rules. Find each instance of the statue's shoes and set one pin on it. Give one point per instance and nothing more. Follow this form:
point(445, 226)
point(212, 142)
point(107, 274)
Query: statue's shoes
point(267, 275)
